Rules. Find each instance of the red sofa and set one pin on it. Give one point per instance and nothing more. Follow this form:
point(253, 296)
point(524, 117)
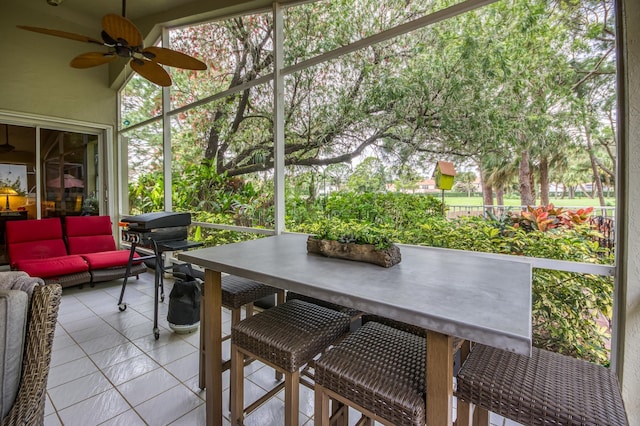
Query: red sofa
point(91, 238)
point(84, 253)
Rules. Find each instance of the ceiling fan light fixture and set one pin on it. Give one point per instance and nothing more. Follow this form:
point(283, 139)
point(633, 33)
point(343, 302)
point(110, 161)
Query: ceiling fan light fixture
point(6, 147)
point(124, 39)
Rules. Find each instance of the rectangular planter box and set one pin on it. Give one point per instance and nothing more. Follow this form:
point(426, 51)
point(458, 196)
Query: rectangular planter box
point(358, 252)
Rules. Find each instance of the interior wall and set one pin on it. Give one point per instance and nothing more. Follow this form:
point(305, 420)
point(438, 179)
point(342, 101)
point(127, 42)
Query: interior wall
point(628, 361)
point(35, 73)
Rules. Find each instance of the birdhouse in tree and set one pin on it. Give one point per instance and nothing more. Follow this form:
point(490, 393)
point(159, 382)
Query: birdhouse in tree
point(444, 174)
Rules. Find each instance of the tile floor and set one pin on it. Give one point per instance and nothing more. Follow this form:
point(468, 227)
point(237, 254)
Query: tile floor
point(107, 368)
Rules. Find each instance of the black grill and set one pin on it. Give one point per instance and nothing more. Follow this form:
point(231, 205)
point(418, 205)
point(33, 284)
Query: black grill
point(158, 227)
point(160, 232)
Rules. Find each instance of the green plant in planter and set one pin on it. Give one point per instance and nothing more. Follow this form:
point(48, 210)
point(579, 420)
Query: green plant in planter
point(353, 232)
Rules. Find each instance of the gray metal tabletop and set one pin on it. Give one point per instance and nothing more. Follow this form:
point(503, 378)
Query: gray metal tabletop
point(453, 292)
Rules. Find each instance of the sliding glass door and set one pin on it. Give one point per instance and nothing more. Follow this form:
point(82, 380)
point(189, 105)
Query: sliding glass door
point(47, 172)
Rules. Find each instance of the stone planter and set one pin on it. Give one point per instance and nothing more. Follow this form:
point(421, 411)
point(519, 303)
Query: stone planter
point(358, 252)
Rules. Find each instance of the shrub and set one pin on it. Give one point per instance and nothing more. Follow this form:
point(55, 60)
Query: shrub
point(566, 307)
point(352, 232)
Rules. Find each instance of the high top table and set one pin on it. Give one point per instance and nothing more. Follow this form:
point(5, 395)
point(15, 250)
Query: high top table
point(447, 292)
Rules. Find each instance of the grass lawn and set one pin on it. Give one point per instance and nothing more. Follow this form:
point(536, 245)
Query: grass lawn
point(566, 202)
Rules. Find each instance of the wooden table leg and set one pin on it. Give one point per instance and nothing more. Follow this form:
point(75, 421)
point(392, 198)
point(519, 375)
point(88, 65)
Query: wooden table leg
point(212, 308)
point(464, 409)
point(439, 379)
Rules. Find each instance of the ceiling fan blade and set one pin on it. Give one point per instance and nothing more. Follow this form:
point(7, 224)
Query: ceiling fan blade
point(92, 59)
point(151, 71)
point(118, 27)
point(173, 58)
point(63, 34)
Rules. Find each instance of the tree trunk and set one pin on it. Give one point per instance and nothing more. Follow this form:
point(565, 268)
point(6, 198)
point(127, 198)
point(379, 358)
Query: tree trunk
point(585, 192)
point(524, 180)
point(500, 197)
point(544, 181)
point(594, 167)
point(487, 192)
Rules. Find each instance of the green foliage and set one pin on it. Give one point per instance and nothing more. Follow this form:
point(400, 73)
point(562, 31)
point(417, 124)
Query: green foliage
point(199, 189)
point(391, 208)
point(215, 237)
point(566, 307)
point(352, 232)
point(147, 194)
point(544, 218)
point(368, 176)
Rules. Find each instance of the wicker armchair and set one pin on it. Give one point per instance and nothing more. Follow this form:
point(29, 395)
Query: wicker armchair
point(28, 408)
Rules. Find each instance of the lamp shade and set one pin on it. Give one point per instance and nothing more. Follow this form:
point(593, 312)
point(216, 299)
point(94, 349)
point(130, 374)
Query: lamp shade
point(7, 190)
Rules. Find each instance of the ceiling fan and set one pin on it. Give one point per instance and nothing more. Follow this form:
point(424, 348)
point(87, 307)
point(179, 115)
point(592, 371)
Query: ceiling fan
point(6, 147)
point(123, 39)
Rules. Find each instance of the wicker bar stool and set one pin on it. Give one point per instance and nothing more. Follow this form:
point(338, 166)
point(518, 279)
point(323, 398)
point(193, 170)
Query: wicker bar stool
point(358, 374)
point(544, 389)
point(285, 337)
point(353, 313)
point(378, 370)
point(236, 293)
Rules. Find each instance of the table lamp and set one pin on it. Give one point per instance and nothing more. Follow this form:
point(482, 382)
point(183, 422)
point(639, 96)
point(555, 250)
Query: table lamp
point(7, 190)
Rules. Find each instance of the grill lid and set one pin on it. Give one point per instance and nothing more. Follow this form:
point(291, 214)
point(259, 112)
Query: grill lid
point(148, 221)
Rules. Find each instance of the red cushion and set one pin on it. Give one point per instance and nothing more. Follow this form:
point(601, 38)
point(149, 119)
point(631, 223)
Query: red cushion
point(82, 226)
point(89, 234)
point(36, 249)
point(20, 231)
point(93, 244)
point(108, 259)
point(53, 267)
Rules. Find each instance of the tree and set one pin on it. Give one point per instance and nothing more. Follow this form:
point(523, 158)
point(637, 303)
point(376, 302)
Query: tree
point(368, 176)
point(407, 179)
point(465, 182)
point(495, 83)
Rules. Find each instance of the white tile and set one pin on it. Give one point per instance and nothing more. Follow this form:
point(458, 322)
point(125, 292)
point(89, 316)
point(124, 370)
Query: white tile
point(251, 393)
point(77, 313)
point(193, 383)
point(95, 410)
point(127, 319)
point(103, 342)
point(197, 417)
point(146, 386)
point(66, 354)
point(149, 343)
point(168, 406)
point(186, 367)
point(83, 324)
point(59, 331)
point(89, 333)
point(78, 390)
point(140, 331)
point(263, 376)
point(128, 418)
point(130, 369)
point(169, 353)
point(271, 414)
point(115, 355)
point(48, 407)
point(70, 371)
point(192, 338)
point(62, 341)
point(52, 420)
